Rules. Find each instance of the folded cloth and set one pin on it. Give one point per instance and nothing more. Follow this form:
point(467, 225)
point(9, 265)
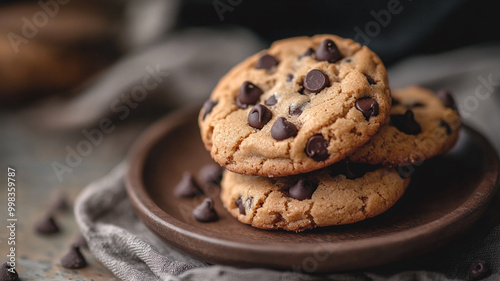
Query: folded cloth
point(123, 244)
point(131, 251)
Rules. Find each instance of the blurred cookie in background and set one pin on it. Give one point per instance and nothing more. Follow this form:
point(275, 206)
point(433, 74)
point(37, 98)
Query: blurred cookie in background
point(52, 46)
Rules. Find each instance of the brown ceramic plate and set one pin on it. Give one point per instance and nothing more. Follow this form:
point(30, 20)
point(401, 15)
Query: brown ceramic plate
point(446, 196)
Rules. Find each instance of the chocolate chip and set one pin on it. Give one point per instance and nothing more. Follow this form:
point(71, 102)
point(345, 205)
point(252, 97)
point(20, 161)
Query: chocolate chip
point(370, 80)
point(289, 77)
point(187, 187)
point(258, 116)
point(394, 102)
point(282, 129)
point(81, 242)
point(74, 258)
point(295, 109)
point(208, 106)
point(368, 106)
point(210, 174)
point(271, 100)
point(47, 225)
point(349, 60)
point(248, 94)
point(303, 189)
point(8, 273)
point(309, 52)
point(445, 125)
point(447, 98)
point(266, 61)
point(328, 51)
point(315, 81)
point(478, 270)
point(241, 206)
point(317, 148)
point(205, 212)
point(406, 123)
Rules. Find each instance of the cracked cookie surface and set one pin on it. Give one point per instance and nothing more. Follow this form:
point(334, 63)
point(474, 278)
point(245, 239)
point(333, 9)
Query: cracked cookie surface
point(330, 196)
point(299, 106)
point(421, 125)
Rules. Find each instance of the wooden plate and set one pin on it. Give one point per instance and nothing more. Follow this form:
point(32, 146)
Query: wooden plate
point(446, 196)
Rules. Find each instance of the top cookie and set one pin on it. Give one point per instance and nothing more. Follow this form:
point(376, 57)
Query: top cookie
point(422, 125)
point(301, 105)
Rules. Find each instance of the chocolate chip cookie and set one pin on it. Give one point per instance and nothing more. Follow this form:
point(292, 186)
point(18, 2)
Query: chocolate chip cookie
point(339, 194)
point(422, 124)
point(301, 105)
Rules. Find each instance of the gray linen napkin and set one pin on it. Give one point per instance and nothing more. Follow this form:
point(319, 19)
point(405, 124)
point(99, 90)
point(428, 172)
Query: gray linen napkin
point(123, 244)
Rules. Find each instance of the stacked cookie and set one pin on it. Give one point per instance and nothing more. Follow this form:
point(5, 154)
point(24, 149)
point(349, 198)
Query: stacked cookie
point(310, 135)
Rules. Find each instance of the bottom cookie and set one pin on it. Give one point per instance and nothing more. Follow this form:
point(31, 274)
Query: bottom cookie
point(338, 194)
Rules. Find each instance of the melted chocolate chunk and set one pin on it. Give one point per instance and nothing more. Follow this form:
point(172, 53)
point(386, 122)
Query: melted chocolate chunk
point(258, 116)
point(445, 125)
point(478, 270)
point(370, 80)
point(447, 98)
point(248, 94)
point(187, 187)
point(303, 189)
point(47, 225)
point(74, 258)
point(317, 148)
point(406, 123)
point(241, 206)
point(328, 51)
point(266, 61)
point(8, 273)
point(289, 77)
point(315, 81)
point(208, 106)
point(282, 129)
point(210, 174)
point(308, 53)
point(205, 212)
point(368, 106)
point(271, 100)
point(295, 109)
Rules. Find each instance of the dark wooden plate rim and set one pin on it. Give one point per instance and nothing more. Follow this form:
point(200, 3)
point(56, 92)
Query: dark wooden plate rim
point(147, 208)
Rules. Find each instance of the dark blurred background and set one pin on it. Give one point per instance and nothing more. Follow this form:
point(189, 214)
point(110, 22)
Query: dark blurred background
point(75, 40)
